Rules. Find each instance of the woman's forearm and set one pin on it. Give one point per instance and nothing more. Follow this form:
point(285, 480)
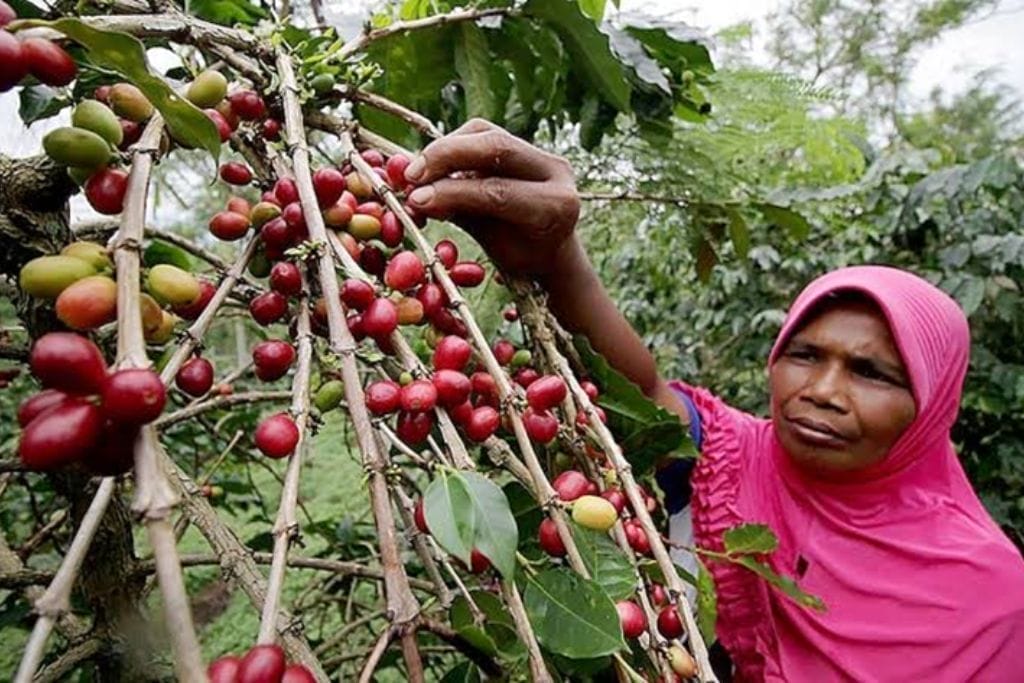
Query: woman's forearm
point(582, 305)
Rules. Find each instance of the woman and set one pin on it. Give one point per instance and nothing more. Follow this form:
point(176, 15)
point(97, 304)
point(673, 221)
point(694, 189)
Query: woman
point(854, 471)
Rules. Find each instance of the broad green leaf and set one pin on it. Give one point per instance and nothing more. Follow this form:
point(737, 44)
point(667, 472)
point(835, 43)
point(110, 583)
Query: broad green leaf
point(162, 252)
point(707, 603)
point(593, 9)
point(25, 9)
point(448, 509)
point(38, 102)
point(495, 534)
point(792, 221)
point(605, 562)
point(587, 46)
point(704, 253)
point(750, 539)
point(572, 616)
point(124, 54)
point(227, 12)
point(786, 585)
point(466, 672)
point(675, 45)
point(473, 64)
point(645, 430)
point(498, 631)
point(739, 232)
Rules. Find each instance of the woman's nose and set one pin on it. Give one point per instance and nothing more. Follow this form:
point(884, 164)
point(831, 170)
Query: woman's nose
point(826, 388)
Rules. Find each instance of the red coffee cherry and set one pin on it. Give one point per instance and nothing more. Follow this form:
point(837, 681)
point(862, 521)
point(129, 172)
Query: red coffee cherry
point(433, 299)
point(235, 173)
point(357, 294)
point(383, 397)
point(541, 426)
point(616, 498)
point(69, 362)
point(229, 225)
point(669, 624)
point(462, 412)
point(272, 358)
point(391, 231)
point(447, 253)
point(452, 353)
point(546, 393)
point(631, 617)
point(271, 129)
point(550, 541)
point(404, 271)
point(482, 423)
point(105, 190)
point(224, 669)
point(39, 403)
point(262, 664)
point(48, 61)
point(223, 127)
point(133, 396)
point(395, 168)
point(420, 517)
point(296, 673)
point(380, 318)
point(60, 435)
point(478, 562)
point(453, 387)
point(414, 428)
point(13, 62)
point(570, 485)
point(247, 105)
point(467, 274)
point(195, 377)
point(277, 436)
point(503, 351)
point(268, 307)
point(286, 278)
point(328, 184)
point(419, 396)
point(286, 191)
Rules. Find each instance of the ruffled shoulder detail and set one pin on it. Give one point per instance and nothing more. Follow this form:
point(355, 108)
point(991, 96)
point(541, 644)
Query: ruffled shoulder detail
point(730, 437)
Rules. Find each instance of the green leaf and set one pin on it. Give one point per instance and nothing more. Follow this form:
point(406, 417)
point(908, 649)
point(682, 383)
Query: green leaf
point(163, 252)
point(792, 221)
point(678, 47)
point(605, 562)
point(465, 510)
point(588, 48)
point(572, 616)
point(473, 64)
point(124, 54)
point(496, 534)
point(645, 430)
point(593, 9)
point(706, 258)
point(496, 634)
point(739, 232)
point(707, 603)
point(25, 9)
point(466, 672)
point(37, 102)
point(786, 585)
point(227, 12)
point(448, 509)
point(750, 539)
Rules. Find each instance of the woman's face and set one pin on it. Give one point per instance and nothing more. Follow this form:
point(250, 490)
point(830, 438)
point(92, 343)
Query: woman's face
point(841, 396)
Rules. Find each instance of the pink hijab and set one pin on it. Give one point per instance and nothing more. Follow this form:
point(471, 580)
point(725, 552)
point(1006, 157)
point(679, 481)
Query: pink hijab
point(919, 582)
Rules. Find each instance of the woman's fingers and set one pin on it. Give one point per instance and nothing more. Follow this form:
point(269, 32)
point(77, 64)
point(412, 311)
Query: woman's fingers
point(536, 207)
point(487, 150)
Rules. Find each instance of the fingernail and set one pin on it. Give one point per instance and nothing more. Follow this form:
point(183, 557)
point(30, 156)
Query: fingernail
point(422, 195)
point(416, 168)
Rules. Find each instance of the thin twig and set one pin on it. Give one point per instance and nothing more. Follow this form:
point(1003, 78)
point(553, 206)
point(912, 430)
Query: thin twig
point(364, 39)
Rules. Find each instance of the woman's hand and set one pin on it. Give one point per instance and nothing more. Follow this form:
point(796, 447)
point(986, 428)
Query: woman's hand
point(519, 202)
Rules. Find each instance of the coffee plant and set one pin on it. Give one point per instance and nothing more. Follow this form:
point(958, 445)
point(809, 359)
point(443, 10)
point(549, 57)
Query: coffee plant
point(514, 533)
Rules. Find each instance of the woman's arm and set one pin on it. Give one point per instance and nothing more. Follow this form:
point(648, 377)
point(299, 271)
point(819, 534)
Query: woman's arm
point(521, 204)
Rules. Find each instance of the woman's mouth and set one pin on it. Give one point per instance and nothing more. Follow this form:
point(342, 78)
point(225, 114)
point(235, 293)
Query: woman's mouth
point(816, 433)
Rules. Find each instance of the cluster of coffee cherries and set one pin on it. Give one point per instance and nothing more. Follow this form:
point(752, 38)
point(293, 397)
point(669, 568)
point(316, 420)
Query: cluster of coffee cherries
point(85, 413)
point(79, 280)
point(48, 62)
point(261, 664)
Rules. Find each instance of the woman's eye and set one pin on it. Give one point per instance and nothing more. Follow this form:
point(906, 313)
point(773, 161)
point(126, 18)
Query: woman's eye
point(870, 372)
point(802, 354)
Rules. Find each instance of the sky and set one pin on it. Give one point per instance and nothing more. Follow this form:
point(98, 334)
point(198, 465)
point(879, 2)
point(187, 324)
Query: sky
point(992, 42)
